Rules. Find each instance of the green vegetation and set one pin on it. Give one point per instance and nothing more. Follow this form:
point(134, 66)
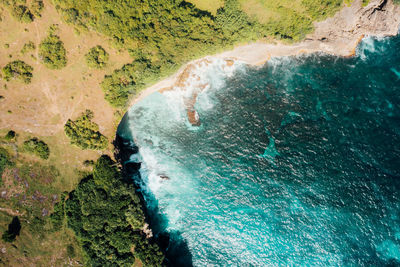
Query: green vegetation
point(57, 217)
point(84, 133)
point(28, 47)
point(30, 189)
point(20, 11)
point(37, 147)
point(106, 215)
point(128, 80)
point(209, 5)
point(18, 70)
point(162, 35)
point(13, 230)
point(291, 19)
point(88, 163)
point(52, 52)
point(10, 135)
point(97, 57)
point(36, 8)
point(5, 161)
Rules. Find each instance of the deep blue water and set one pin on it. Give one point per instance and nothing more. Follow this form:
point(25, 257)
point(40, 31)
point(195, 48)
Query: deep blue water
point(297, 162)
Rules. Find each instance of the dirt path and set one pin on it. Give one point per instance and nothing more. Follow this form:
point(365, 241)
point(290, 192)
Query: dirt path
point(12, 212)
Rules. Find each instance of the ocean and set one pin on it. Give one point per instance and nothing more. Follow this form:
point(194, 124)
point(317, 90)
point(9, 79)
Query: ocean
point(296, 162)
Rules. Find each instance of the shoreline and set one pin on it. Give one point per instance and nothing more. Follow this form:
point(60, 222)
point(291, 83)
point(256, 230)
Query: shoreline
point(339, 35)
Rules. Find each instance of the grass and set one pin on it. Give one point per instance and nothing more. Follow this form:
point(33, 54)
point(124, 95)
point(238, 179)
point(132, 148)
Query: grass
point(31, 185)
point(292, 16)
point(265, 11)
point(38, 244)
point(208, 5)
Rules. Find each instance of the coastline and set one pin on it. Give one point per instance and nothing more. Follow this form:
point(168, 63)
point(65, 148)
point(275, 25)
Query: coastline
point(338, 35)
point(258, 53)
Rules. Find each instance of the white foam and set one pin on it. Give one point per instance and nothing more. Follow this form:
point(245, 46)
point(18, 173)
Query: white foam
point(371, 44)
point(205, 77)
point(161, 175)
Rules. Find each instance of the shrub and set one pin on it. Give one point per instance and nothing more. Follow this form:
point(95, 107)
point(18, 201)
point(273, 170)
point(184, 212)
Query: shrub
point(37, 147)
point(10, 135)
point(57, 217)
point(97, 57)
point(29, 46)
point(36, 8)
point(18, 70)
point(130, 79)
point(162, 35)
point(84, 133)
point(13, 230)
point(22, 13)
point(88, 163)
point(70, 251)
point(52, 52)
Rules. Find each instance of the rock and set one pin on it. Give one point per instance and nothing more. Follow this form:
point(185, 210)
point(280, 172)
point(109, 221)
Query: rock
point(147, 231)
point(131, 167)
point(193, 117)
point(45, 212)
point(229, 62)
point(164, 177)
point(149, 142)
point(164, 240)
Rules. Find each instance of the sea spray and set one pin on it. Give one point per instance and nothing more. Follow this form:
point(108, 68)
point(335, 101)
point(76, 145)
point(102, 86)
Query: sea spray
point(157, 171)
point(330, 196)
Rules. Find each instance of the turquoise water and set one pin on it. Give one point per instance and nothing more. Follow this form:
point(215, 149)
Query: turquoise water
point(296, 163)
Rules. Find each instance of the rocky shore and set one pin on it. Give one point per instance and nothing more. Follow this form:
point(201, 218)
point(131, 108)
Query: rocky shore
point(338, 35)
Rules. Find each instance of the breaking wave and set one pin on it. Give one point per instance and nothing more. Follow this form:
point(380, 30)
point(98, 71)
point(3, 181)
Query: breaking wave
point(295, 163)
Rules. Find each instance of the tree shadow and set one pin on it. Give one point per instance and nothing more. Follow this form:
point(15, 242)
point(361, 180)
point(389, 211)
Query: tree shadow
point(171, 242)
point(13, 231)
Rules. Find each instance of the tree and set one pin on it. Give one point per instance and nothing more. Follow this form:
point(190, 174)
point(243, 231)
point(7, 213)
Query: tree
point(22, 13)
point(13, 230)
point(84, 133)
point(18, 70)
point(36, 8)
point(52, 52)
point(97, 57)
point(106, 214)
point(37, 147)
point(57, 217)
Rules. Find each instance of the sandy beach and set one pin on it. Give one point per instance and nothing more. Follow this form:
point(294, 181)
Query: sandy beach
point(338, 35)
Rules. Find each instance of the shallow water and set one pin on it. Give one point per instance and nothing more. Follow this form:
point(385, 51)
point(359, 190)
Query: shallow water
point(297, 162)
